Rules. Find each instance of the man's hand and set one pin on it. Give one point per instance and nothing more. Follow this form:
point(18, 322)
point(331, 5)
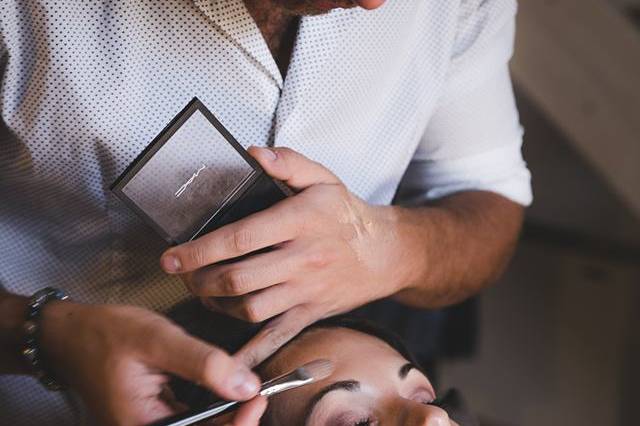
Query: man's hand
point(118, 357)
point(331, 253)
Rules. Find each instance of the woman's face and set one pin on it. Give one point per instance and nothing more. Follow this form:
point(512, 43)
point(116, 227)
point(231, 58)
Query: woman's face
point(372, 384)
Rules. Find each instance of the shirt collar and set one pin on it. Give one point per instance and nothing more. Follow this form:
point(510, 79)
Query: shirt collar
point(233, 18)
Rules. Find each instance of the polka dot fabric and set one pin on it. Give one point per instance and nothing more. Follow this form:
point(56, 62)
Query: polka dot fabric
point(417, 86)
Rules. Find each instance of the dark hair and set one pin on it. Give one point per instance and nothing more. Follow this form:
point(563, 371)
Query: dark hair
point(361, 325)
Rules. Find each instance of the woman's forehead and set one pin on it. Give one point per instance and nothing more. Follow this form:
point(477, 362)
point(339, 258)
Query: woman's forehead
point(343, 346)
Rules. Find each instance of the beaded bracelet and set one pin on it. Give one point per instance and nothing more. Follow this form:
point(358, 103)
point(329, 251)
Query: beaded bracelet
point(31, 350)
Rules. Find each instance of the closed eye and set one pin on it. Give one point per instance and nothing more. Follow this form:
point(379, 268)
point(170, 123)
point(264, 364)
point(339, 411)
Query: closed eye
point(345, 385)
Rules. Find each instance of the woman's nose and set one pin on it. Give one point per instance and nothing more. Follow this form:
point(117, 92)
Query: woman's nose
point(417, 414)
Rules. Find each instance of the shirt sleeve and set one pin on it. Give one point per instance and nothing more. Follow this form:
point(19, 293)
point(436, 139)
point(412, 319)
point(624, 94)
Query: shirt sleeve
point(474, 138)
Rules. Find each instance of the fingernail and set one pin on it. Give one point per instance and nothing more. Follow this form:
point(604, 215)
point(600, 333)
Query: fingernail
point(244, 383)
point(170, 263)
point(270, 154)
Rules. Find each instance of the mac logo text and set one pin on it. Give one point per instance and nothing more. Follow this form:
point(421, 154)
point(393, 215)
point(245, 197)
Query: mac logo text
point(184, 187)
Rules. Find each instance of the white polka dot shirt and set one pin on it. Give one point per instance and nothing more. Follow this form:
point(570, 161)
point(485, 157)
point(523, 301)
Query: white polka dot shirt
point(415, 95)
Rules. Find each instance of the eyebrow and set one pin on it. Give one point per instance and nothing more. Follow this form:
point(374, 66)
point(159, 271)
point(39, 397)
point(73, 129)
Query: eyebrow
point(345, 385)
point(349, 386)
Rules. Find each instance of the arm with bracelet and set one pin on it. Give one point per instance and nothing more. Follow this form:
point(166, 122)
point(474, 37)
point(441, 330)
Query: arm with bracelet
point(23, 330)
point(117, 358)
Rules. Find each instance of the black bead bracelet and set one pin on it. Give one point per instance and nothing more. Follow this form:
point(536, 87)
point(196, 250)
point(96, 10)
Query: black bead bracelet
point(31, 350)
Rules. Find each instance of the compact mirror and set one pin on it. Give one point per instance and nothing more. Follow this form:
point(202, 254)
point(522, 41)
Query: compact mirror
point(195, 177)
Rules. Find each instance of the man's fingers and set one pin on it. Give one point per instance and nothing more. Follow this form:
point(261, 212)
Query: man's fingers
point(250, 412)
point(275, 334)
point(174, 351)
point(257, 272)
point(266, 228)
point(260, 305)
point(293, 168)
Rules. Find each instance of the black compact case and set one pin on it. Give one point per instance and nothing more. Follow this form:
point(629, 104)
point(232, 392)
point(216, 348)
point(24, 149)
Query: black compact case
point(194, 178)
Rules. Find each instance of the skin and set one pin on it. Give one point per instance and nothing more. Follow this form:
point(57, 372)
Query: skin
point(278, 27)
point(381, 397)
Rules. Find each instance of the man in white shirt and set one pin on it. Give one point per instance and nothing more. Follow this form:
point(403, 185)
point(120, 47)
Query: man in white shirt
point(347, 106)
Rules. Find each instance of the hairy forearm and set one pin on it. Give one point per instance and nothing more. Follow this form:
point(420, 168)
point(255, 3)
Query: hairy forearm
point(12, 315)
point(455, 247)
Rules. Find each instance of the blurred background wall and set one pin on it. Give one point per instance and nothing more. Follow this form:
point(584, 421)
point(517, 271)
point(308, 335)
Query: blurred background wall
point(559, 339)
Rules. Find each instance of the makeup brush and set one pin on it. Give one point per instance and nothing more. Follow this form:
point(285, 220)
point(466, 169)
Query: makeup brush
point(311, 372)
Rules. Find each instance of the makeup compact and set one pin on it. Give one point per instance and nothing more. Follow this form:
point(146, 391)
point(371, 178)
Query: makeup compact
point(195, 177)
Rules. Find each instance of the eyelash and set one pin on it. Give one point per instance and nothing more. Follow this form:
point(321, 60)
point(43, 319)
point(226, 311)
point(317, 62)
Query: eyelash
point(367, 421)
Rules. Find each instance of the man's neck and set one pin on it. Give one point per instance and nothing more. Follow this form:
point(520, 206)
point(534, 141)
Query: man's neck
point(278, 29)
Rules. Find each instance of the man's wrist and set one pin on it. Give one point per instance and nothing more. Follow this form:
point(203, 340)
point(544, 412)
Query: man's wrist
point(13, 313)
point(405, 235)
point(423, 254)
point(463, 242)
point(57, 318)
point(13, 310)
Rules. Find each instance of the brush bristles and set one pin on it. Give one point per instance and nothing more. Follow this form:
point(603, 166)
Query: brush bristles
point(316, 370)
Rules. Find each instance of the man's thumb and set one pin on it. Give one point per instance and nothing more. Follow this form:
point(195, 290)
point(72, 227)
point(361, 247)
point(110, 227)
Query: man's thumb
point(292, 168)
point(199, 362)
